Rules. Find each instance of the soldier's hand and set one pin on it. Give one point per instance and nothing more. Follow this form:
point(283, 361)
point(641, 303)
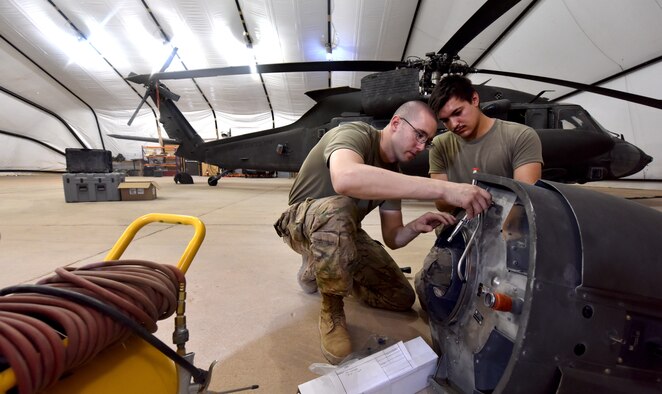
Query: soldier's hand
point(471, 198)
point(431, 220)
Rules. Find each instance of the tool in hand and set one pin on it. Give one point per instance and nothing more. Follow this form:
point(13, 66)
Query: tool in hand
point(464, 219)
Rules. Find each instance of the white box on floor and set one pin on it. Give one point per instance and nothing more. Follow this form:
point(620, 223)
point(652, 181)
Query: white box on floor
point(401, 368)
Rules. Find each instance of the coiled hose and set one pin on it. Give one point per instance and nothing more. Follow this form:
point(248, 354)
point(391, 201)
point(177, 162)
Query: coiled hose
point(67, 319)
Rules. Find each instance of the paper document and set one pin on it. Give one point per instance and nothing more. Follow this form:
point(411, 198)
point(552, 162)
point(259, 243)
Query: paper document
point(413, 360)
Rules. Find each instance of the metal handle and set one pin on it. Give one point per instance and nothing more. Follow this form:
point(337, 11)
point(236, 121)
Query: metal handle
point(191, 249)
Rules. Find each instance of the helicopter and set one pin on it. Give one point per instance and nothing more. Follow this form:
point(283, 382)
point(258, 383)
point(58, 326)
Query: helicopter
point(576, 148)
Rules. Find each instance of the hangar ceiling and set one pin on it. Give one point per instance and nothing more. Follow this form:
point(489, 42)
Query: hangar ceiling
point(69, 57)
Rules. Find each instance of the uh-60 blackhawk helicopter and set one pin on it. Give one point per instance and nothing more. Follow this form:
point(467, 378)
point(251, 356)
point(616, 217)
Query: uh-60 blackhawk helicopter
point(575, 147)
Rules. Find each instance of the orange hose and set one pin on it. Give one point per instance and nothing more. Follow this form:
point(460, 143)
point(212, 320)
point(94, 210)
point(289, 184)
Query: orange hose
point(42, 337)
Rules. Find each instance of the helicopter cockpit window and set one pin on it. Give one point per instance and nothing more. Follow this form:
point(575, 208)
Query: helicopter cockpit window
point(574, 118)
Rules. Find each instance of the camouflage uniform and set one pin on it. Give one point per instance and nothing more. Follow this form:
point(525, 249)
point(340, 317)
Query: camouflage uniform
point(343, 257)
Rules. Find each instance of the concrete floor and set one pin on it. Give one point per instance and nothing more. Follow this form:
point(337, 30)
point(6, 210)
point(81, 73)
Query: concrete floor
point(244, 307)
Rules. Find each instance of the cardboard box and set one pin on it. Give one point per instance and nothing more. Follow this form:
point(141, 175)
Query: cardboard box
point(403, 368)
point(138, 190)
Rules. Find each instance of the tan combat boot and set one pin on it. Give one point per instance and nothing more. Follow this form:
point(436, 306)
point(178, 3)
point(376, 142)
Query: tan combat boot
point(333, 329)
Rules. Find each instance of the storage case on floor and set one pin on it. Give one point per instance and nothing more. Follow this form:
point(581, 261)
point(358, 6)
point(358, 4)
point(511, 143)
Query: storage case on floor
point(92, 187)
point(88, 160)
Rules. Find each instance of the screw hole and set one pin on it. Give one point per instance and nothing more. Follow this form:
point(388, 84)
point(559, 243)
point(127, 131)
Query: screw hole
point(579, 349)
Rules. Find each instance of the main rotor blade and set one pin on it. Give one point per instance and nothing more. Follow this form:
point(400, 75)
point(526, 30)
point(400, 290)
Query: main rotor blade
point(344, 65)
point(169, 141)
point(635, 98)
point(169, 60)
point(479, 21)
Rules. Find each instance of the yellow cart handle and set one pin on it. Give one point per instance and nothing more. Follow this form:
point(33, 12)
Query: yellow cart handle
point(191, 249)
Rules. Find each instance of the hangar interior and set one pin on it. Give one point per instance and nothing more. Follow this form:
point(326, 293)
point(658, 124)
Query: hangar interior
point(71, 57)
point(62, 80)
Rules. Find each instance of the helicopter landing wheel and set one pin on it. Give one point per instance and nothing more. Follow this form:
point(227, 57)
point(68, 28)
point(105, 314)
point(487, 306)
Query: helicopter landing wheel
point(212, 181)
point(183, 178)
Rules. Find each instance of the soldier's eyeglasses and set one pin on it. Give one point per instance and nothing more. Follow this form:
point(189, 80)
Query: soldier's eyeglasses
point(421, 136)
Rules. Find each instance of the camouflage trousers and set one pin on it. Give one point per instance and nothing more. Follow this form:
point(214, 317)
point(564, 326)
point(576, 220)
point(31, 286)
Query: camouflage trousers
point(344, 258)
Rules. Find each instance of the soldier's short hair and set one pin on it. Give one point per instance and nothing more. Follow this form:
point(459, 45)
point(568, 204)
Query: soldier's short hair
point(452, 85)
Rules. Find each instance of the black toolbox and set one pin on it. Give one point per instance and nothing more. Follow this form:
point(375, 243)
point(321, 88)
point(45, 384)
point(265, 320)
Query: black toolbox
point(88, 160)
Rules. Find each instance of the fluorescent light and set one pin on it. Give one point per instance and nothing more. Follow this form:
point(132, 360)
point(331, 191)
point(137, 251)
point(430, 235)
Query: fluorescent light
point(105, 43)
point(232, 50)
point(189, 45)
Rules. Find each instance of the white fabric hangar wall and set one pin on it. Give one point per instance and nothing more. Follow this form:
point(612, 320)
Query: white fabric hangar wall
point(577, 40)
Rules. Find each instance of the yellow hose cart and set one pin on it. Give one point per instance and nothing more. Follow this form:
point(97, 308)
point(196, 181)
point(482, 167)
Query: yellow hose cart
point(139, 363)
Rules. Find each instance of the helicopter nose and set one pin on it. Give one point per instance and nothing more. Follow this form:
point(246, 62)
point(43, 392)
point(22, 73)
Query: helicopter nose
point(627, 159)
point(563, 149)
